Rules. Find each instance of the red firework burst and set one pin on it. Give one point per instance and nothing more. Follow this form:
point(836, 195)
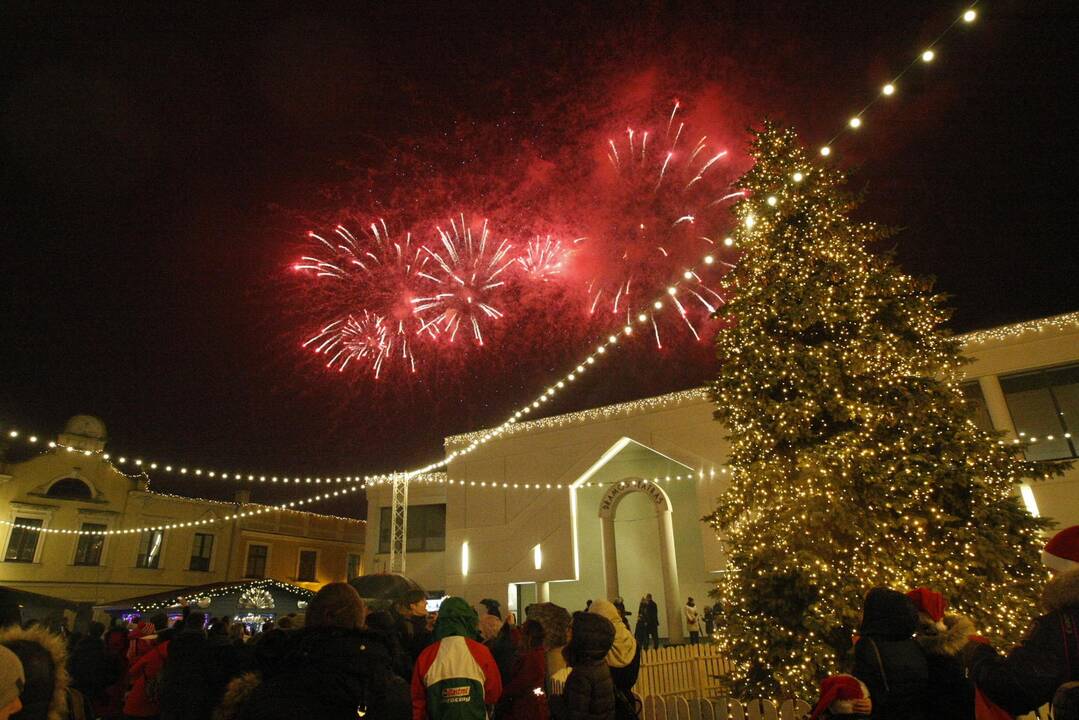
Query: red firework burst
point(658, 217)
point(466, 278)
point(370, 284)
point(544, 259)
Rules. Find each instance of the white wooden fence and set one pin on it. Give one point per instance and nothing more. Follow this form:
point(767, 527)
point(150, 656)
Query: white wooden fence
point(690, 682)
point(696, 671)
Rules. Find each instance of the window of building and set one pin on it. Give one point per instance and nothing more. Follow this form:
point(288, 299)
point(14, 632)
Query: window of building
point(972, 392)
point(88, 549)
point(308, 566)
point(22, 545)
point(1044, 406)
point(256, 561)
point(70, 489)
point(426, 529)
point(355, 562)
point(150, 549)
point(201, 551)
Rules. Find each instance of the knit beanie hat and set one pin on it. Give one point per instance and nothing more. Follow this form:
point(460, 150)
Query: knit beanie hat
point(12, 678)
point(1061, 553)
point(837, 692)
point(931, 604)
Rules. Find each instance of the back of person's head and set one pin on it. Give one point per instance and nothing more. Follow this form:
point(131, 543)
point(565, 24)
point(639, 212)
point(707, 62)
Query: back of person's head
point(409, 597)
point(532, 634)
point(336, 605)
point(236, 631)
point(1066, 702)
point(272, 649)
point(285, 623)
point(43, 656)
point(160, 621)
point(493, 607)
point(96, 629)
point(195, 621)
point(591, 638)
point(889, 615)
point(217, 628)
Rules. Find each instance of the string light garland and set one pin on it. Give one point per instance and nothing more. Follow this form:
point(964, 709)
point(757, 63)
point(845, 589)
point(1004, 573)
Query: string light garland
point(888, 90)
point(469, 442)
point(221, 592)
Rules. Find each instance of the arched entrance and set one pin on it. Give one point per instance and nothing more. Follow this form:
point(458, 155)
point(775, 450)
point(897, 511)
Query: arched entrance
point(608, 507)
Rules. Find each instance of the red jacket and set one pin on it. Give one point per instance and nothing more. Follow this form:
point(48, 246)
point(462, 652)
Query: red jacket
point(147, 667)
point(523, 696)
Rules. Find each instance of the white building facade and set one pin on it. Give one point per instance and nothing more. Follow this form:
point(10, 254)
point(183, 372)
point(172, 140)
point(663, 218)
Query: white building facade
point(608, 502)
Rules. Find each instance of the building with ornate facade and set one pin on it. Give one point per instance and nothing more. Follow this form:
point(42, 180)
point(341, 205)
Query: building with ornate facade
point(608, 502)
point(74, 484)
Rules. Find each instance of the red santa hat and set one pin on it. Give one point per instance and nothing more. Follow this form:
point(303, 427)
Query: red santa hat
point(837, 694)
point(1061, 553)
point(931, 603)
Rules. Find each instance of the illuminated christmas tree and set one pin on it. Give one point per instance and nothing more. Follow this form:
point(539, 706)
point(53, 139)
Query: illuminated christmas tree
point(855, 461)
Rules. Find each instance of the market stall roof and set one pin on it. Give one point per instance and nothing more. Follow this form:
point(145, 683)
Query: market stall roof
point(25, 597)
point(172, 598)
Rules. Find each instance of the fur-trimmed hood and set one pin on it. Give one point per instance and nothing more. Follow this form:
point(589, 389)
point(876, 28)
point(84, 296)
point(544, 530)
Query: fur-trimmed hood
point(1062, 591)
point(36, 647)
point(236, 694)
point(951, 640)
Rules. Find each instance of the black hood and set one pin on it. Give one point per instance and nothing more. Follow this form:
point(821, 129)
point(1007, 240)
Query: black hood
point(888, 615)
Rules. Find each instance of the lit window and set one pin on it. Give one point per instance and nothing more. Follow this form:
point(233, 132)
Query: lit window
point(150, 549)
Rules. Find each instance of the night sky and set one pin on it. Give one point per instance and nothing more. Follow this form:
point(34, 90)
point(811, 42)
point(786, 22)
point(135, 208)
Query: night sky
point(160, 168)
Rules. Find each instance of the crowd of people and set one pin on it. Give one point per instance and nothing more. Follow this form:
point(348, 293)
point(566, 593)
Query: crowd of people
point(912, 659)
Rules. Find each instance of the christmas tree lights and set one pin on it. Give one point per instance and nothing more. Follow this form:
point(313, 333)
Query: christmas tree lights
point(854, 461)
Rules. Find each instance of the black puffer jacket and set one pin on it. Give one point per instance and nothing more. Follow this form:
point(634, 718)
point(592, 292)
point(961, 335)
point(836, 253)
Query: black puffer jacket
point(331, 673)
point(1031, 673)
point(589, 691)
point(888, 660)
point(951, 693)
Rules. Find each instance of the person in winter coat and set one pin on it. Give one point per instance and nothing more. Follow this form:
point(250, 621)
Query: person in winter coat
point(589, 691)
point(693, 621)
point(410, 623)
point(523, 693)
point(888, 660)
point(555, 621)
point(624, 657)
point(47, 693)
point(381, 624)
point(143, 699)
point(331, 670)
point(184, 690)
point(456, 677)
point(90, 668)
point(1048, 656)
point(943, 637)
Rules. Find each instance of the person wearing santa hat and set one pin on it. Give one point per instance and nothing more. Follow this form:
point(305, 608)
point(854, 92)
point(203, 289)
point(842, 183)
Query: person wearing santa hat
point(1048, 656)
point(842, 696)
point(943, 637)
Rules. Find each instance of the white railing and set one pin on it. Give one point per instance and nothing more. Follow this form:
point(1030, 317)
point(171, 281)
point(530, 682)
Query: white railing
point(696, 671)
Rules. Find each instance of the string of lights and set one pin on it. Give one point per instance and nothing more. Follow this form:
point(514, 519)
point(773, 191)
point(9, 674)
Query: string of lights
point(220, 592)
point(889, 89)
point(468, 443)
